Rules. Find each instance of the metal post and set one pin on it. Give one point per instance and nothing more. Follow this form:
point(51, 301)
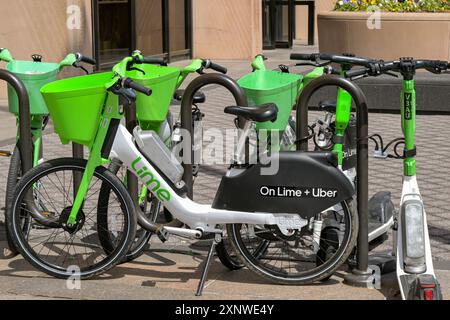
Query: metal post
point(311, 22)
point(186, 113)
point(361, 276)
point(25, 141)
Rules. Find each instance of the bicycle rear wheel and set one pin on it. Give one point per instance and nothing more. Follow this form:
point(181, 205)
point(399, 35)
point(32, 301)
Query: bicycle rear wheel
point(292, 259)
point(63, 251)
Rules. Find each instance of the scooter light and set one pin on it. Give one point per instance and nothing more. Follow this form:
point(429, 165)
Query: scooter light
point(413, 237)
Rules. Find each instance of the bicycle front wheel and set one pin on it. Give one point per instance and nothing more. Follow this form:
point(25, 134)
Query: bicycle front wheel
point(61, 251)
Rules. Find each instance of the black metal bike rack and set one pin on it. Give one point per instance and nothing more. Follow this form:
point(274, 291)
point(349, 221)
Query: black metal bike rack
point(186, 124)
point(361, 276)
point(186, 112)
point(25, 141)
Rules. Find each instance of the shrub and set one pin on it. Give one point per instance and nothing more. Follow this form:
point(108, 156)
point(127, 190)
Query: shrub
point(394, 5)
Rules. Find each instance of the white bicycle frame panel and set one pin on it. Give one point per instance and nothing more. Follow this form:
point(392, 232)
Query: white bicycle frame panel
point(198, 217)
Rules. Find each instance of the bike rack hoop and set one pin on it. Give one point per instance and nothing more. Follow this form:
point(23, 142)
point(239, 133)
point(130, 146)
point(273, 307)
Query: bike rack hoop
point(362, 275)
point(25, 141)
point(186, 111)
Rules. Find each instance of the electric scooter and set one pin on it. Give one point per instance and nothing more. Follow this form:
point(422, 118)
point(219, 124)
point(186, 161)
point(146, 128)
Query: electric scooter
point(412, 250)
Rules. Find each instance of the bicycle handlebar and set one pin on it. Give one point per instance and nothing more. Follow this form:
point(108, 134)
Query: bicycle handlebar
point(130, 84)
point(151, 60)
point(208, 64)
point(85, 59)
point(332, 58)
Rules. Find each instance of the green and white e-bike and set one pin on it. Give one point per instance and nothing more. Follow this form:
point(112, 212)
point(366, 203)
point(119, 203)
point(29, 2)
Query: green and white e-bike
point(335, 132)
point(253, 200)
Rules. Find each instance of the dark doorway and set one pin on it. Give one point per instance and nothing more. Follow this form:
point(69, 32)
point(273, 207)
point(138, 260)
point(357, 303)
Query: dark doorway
point(156, 27)
point(278, 23)
point(113, 34)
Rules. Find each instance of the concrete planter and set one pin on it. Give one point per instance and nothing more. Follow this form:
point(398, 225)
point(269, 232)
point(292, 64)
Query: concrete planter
point(418, 35)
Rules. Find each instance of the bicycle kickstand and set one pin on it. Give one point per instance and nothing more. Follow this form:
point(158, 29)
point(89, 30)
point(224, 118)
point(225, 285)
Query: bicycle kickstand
point(201, 285)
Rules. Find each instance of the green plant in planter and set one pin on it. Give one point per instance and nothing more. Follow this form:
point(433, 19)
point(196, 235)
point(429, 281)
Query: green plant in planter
point(394, 5)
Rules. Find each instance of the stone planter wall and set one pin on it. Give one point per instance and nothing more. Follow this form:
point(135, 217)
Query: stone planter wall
point(418, 35)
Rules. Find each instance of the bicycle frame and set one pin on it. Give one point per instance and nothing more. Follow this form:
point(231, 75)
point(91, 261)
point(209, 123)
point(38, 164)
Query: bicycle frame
point(201, 218)
point(121, 68)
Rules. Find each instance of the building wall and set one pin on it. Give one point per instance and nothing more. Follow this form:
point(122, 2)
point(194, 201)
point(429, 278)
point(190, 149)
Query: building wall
point(227, 29)
point(301, 33)
point(149, 31)
point(42, 27)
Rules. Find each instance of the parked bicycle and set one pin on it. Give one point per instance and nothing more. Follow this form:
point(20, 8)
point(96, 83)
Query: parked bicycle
point(35, 74)
point(335, 132)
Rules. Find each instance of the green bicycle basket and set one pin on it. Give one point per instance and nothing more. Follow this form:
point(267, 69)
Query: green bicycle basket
point(34, 75)
point(263, 87)
point(152, 111)
point(75, 106)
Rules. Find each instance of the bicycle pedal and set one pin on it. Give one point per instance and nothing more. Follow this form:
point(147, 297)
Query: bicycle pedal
point(5, 154)
point(163, 235)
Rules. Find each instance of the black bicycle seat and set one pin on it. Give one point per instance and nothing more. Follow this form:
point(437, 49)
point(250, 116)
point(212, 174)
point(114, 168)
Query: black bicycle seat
point(328, 106)
point(199, 96)
point(263, 113)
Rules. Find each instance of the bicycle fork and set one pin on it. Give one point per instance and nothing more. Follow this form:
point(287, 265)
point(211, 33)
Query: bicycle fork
point(99, 153)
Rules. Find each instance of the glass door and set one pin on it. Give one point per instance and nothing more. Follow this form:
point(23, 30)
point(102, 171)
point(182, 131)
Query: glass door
point(113, 31)
point(179, 29)
point(155, 27)
point(278, 23)
point(163, 28)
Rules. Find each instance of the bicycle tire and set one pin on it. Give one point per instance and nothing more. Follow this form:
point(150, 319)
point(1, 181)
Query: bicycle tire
point(34, 178)
point(323, 271)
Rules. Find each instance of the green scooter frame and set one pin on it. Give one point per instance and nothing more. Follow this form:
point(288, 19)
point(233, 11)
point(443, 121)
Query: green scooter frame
point(414, 264)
